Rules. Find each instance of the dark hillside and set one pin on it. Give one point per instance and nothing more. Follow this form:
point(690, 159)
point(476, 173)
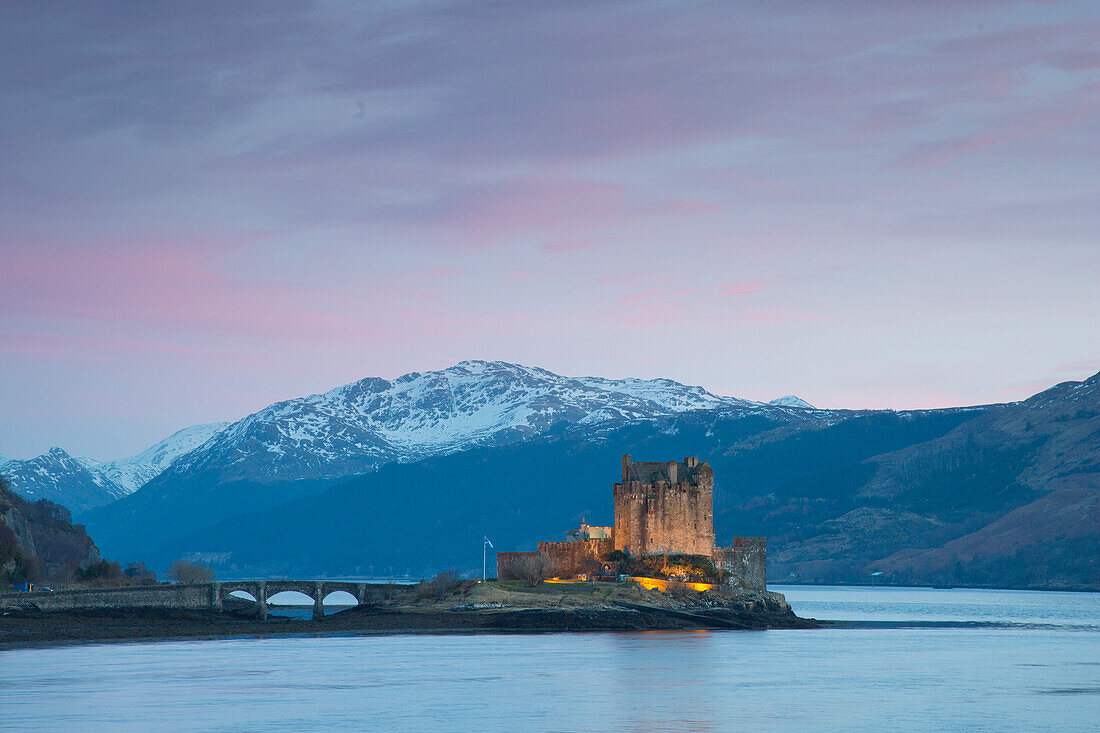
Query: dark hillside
point(159, 510)
point(38, 540)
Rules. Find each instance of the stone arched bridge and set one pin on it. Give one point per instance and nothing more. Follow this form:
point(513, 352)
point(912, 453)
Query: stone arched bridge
point(262, 590)
point(194, 596)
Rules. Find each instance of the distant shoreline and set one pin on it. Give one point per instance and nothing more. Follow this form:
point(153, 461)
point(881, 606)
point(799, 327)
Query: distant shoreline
point(1073, 589)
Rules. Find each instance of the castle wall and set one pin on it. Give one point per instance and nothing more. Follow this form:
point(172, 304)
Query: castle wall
point(574, 558)
point(508, 564)
point(746, 561)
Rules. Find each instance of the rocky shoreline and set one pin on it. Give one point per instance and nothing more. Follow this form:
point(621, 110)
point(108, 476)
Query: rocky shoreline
point(476, 609)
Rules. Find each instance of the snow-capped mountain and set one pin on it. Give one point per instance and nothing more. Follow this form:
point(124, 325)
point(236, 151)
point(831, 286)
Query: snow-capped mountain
point(131, 473)
point(792, 401)
point(61, 478)
point(359, 426)
point(82, 483)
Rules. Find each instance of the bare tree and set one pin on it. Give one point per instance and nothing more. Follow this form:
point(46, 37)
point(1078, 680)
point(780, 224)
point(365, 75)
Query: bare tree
point(185, 571)
point(534, 569)
point(139, 571)
point(439, 587)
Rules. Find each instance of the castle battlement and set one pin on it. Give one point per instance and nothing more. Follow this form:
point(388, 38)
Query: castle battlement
point(665, 508)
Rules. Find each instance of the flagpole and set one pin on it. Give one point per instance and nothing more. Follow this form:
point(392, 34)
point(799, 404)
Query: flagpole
point(485, 544)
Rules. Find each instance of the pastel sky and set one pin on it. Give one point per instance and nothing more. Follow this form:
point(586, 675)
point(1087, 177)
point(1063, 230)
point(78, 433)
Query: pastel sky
point(207, 207)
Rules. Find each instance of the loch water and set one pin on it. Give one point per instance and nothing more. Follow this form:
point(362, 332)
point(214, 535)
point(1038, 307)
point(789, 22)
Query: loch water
point(907, 659)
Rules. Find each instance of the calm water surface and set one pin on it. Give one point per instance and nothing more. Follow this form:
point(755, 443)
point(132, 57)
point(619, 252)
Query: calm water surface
point(924, 660)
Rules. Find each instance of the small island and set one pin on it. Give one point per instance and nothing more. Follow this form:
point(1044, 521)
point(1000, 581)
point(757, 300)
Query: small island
point(445, 604)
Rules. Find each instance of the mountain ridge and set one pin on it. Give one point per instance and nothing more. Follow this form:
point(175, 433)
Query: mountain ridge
point(84, 483)
point(359, 426)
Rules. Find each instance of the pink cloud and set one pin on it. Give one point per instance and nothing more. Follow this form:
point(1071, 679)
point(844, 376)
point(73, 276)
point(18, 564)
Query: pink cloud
point(575, 245)
point(566, 209)
point(1087, 367)
point(754, 183)
point(656, 306)
point(1023, 390)
point(177, 285)
point(745, 287)
point(652, 295)
point(91, 348)
point(683, 207)
point(640, 298)
point(779, 315)
point(1070, 372)
point(1076, 60)
point(636, 276)
point(492, 213)
point(942, 152)
point(435, 273)
point(892, 117)
point(651, 307)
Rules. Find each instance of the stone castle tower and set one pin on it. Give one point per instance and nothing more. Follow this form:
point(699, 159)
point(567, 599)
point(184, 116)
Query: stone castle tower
point(665, 508)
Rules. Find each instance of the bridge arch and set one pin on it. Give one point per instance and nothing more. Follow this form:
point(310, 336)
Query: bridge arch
point(285, 598)
point(253, 589)
point(339, 599)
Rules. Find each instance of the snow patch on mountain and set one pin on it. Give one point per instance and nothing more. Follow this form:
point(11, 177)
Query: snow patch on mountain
point(665, 393)
point(132, 473)
point(792, 401)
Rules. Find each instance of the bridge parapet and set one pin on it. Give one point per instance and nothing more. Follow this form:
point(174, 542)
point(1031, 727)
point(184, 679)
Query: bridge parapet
point(196, 596)
point(164, 595)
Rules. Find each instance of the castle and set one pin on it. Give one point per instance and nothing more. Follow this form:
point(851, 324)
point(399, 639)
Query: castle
point(661, 508)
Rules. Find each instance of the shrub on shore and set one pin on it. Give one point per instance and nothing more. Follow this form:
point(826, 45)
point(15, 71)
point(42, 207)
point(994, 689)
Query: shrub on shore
point(439, 587)
point(534, 569)
point(98, 574)
point(139, 571)
point(185, 571)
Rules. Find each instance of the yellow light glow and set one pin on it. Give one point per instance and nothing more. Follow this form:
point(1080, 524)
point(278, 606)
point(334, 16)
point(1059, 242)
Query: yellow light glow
point(663, 585)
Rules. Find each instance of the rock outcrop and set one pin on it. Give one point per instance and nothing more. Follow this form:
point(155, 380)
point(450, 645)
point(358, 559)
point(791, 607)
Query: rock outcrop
point(38, 540)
